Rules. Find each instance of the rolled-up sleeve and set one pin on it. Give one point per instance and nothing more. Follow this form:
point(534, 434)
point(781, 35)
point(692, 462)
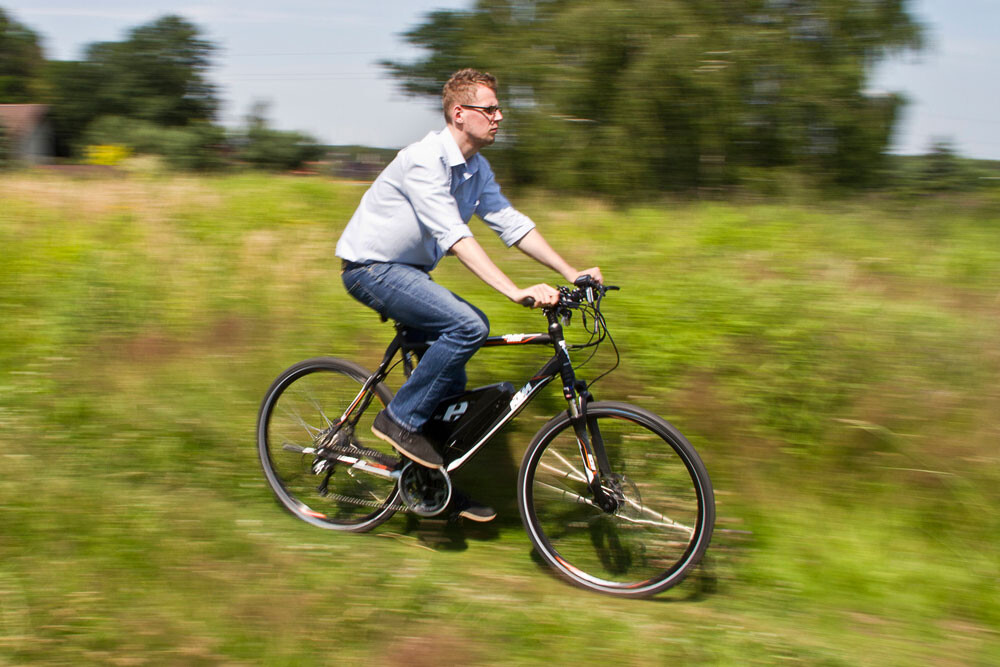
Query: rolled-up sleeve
point(427, 185)
point(509, 224)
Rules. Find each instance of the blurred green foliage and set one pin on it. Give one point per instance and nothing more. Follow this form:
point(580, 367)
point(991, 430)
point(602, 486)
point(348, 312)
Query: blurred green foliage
point(157, 76)
point(21, 62)
point(191, 147)
point(149, 93)
point(628, 97)
point(275, 150)
point(833, 361)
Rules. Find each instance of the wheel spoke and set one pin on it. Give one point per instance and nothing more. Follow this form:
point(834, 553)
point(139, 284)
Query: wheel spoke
point(573, 497)
point(663, 520)
point(319, 409)
point(294, 415)
point(565, 474)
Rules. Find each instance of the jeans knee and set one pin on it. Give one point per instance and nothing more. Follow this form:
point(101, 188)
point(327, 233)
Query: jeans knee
point(475, 329)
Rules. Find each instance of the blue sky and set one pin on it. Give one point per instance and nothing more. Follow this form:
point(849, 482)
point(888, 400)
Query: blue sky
point(314, 61)
point(952, 85)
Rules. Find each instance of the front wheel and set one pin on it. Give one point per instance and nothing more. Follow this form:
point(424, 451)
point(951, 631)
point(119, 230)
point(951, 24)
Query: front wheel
point(664, 508)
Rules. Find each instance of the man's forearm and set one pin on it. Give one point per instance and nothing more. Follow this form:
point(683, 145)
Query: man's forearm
point(472, 255)
point(534, 245)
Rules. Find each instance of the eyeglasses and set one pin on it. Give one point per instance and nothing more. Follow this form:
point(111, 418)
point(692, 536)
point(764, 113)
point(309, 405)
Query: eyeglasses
point(490, 111)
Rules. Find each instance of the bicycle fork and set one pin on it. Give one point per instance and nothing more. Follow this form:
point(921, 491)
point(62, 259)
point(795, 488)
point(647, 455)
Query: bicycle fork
point(596, 465)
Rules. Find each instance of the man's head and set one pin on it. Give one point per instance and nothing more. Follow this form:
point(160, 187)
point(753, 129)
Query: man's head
point(471, 108)
point(462, 88)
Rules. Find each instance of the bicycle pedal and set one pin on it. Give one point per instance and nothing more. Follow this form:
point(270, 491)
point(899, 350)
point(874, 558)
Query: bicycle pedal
point(320, 466)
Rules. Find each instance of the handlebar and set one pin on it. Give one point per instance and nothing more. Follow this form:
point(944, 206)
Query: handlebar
point(587, 290)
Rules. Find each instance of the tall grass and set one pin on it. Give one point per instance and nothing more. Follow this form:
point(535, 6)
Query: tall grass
point(834, 362)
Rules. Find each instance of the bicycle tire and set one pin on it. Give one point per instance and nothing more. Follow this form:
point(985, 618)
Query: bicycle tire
point(305, 399)
point(658, 534)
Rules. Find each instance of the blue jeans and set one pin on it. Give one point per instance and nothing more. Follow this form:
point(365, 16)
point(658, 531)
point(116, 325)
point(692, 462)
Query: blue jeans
point(408, 295)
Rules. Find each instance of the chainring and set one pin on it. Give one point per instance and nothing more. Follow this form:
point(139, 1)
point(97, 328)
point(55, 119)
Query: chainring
point(424, 491)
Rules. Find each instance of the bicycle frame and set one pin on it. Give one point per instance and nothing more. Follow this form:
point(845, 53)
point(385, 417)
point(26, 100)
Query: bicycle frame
point(592, 454)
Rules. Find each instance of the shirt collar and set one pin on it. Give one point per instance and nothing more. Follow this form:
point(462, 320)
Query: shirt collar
point(454, 154)
point(451, 150)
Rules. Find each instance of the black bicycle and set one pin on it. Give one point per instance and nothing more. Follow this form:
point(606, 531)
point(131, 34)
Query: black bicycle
point(612, 496)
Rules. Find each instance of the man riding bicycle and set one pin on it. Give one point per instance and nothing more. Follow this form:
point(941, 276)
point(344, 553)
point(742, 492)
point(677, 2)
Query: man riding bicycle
point(414, 213)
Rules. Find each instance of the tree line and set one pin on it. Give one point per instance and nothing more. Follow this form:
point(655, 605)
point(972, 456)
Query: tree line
point(650, 95)
point(618, 97)
point(149, 93)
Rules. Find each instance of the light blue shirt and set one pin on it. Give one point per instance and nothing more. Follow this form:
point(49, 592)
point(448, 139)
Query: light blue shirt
point(420, 206)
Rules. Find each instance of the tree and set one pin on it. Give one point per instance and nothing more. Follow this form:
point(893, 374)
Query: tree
point(21, 62)
point(157, 75)
point(622, 96)
point(74, 102)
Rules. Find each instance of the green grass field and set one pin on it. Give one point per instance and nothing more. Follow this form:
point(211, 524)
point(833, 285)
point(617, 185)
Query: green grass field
point(835, 362)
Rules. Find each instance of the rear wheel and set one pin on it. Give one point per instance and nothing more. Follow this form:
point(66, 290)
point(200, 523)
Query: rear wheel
point(664, 511)
point(312, 461)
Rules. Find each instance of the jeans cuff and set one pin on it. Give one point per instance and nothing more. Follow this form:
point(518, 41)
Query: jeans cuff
point(399, 422)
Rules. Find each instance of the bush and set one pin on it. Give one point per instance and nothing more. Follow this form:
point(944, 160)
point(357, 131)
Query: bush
point(107, 154)
point(193, 147)
point(943, 169)
point(277, 150)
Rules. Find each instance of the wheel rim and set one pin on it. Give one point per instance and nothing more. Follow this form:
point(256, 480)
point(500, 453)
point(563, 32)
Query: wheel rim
point(299, 411)
point(654, 535)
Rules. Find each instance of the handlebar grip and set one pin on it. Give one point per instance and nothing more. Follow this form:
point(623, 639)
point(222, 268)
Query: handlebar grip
point(528, 302)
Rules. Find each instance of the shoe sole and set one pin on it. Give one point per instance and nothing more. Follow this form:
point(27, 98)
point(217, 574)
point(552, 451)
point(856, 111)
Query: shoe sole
point(405, 453)
point(473, 517)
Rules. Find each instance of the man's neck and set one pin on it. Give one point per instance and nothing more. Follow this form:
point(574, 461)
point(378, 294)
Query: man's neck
point(465, 145)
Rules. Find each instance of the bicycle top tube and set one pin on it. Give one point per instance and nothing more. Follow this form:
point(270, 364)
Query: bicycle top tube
point(502, 340)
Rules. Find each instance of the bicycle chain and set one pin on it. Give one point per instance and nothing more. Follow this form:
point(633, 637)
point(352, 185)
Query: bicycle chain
point(378, 457)
point(356, 450)
point(396, 507)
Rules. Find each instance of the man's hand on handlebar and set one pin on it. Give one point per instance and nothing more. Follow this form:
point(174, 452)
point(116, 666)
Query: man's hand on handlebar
point(594, 273)
point(536, 296)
